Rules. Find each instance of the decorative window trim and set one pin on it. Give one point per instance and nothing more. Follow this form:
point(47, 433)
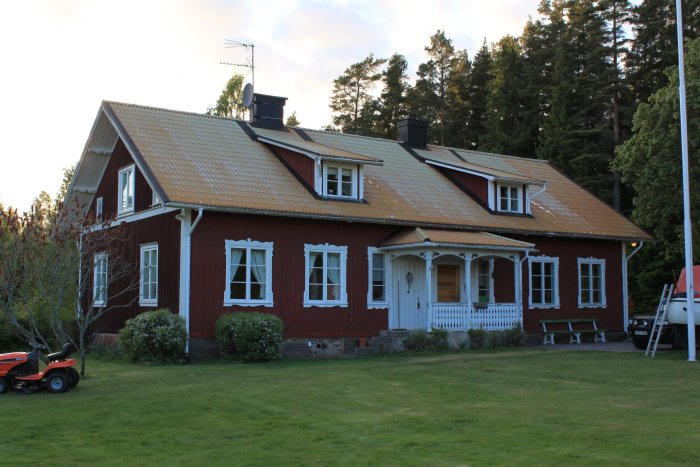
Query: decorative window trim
point(354, 176)
point(544, 259)
point(99, 206)
point(99, 257)
point(249, 244)
point(518, 198)
point(371, 304)
point(148, 248)
point(590, 261)
point(120, 186)
point(325, 249)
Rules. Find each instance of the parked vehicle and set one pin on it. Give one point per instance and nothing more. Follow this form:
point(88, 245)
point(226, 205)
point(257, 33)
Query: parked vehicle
point(20, 370)
point(675, 328)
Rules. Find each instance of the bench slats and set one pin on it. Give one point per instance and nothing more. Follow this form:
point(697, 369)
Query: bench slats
point(574, 334)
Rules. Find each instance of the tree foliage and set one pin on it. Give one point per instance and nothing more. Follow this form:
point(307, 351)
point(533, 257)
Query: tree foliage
point(230, 103)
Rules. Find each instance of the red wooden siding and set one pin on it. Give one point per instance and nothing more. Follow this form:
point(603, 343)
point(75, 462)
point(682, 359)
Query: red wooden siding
point(288, 236)
point(109, 185)
point(302, 165)
point(568, 251)
point(165, 231)
point(503, 281)
point(476, 187)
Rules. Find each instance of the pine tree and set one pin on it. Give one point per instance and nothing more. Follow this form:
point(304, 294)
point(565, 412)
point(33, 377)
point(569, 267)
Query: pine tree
point(429, 96)
point(458, 104)
point(479, 80)
point(394, 96)
point(351, 94)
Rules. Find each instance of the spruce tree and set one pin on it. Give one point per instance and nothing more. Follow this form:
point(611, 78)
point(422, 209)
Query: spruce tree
point(479, 80)
point(393, 98)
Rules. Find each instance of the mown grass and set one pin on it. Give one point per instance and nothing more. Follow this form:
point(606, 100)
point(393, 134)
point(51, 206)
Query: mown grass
point(525, 406)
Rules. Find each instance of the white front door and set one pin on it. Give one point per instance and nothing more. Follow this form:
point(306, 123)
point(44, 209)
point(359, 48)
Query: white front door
point(410, 309)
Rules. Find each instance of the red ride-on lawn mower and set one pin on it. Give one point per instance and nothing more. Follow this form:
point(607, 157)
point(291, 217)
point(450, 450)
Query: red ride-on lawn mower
point(20, 370)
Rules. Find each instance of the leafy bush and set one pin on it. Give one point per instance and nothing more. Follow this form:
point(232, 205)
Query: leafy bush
point(107, 351)
point(478, 338)
point(422, 341)
point(154, 336)
point(254, 337)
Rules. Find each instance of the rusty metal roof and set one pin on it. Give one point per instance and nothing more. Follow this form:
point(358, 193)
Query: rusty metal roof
point(217, 163)
point(419, 236)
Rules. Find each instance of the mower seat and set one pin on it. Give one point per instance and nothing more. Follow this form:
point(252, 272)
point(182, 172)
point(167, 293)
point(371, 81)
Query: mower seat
point(63, 354)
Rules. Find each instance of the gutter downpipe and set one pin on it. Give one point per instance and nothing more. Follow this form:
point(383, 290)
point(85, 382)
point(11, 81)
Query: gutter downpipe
point(625, 290)
point(186, 229)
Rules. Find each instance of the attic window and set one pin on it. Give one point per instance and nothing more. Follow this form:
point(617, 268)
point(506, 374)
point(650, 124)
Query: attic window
point(126, 189)
point(510, 198)
point(340, 180)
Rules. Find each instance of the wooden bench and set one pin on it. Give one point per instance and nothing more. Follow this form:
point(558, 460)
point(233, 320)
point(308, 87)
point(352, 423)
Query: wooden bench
point(573, 328)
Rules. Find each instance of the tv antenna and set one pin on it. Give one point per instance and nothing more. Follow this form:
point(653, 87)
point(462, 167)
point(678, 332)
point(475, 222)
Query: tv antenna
point(229, 44)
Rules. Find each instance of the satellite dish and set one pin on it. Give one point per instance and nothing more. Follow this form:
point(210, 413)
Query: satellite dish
point(248, 95)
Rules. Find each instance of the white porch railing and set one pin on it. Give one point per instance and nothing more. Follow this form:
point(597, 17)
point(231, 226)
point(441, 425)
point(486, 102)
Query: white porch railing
point(462, 316)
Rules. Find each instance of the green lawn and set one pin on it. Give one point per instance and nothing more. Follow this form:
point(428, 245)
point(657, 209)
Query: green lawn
point(525, 406)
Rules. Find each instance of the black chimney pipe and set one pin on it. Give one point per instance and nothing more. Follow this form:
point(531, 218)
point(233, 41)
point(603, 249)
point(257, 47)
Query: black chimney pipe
point(268, 111)
point(413, 131)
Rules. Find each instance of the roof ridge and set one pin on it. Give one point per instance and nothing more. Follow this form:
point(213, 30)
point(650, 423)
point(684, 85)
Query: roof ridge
point(493, 154)
point(183, 112)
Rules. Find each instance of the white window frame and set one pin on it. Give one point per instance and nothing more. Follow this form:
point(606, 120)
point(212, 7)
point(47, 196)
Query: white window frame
point(248, 245)
point(371, 303)
point(100, 258)
point(353, 175)
point(122, 208)
point(148, 248)
point(99, 206)
point(325, 249)
point(588, 262)
point(155, 199)
point(544, 259)
point(519, 198)
point(491, 263)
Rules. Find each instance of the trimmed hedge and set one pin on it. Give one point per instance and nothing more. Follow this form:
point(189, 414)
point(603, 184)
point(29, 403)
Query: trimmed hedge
point(159, 336)
point(254, 337)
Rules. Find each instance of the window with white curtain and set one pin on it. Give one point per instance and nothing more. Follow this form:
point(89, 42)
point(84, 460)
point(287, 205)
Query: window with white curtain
point(248, 273)
point(148, 295)
point(325, 275)
point(126, 190)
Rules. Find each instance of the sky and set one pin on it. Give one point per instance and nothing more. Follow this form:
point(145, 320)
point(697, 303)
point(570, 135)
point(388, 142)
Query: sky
point(60, 58)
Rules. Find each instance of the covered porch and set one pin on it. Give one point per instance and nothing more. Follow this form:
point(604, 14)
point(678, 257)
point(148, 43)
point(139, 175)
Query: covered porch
point(454, 280)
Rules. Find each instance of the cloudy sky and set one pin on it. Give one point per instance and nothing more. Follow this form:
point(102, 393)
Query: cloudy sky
point(60, 58)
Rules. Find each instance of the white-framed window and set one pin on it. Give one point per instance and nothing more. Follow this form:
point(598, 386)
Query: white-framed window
point(99, 282)
point(484, 280)
point(544, 282)
point(326, 270)
point(340, 180)
point(591, 283)
point(248, 273)
point(126, 189)
point(98, 209)
point(377, 274)
point(148, 295)
point(509, 198)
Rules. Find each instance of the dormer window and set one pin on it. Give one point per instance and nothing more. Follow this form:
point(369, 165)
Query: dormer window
point(126, 189)
point(340, 180)
point(510, 198)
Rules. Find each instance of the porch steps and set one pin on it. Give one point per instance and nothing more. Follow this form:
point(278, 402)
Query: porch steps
point(385, 342)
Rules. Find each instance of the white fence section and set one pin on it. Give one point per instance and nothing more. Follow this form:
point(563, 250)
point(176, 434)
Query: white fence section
point(461, 316)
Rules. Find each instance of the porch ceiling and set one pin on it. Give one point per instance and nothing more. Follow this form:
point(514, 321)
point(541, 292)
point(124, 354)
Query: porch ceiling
point(421, 237)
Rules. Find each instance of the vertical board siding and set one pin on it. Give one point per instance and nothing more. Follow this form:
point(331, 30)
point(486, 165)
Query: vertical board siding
point(109, 185)
point(568, 250)
point(503, 281)
point(300, 164)
point(476, 187)
point(288, 236)
point(163, 230)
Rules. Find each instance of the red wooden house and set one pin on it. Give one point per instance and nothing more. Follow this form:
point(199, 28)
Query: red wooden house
point(343, 236)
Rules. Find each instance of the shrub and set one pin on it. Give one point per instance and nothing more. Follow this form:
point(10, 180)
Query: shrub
point(421, 341)
point(158, 336)
point(478, 338)
point(254, 337)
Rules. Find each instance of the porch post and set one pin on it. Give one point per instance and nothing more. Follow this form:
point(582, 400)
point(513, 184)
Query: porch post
point(429, 289)
point(468, 290)
point(518, 280)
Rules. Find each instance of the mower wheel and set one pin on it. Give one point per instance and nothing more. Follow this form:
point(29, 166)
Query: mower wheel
point(57, 382)
point(3, 385)
point(73, 377)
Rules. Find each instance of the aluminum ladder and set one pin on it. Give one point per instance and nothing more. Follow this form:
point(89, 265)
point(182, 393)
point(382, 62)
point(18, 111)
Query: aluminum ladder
point(659, 320)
